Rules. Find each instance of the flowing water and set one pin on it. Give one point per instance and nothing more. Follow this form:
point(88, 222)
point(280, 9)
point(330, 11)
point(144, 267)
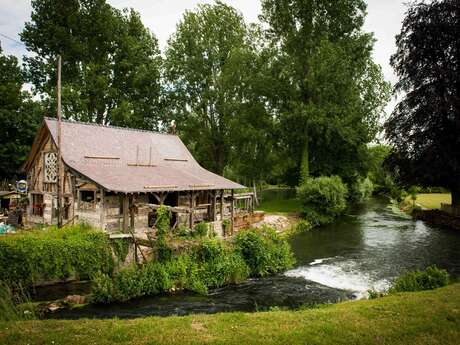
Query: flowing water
point(363, 250)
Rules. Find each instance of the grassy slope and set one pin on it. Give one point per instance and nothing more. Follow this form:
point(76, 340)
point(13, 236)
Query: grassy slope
point(431, 200)
point(278, 206)
point(428, 317)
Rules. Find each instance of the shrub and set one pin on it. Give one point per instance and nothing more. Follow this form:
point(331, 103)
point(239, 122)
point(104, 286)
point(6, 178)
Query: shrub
point(264, 251)
point(211, 263)
point(361, 189)
point(323, 199)
point(429, 279)
point(120, 249)
point(155, 279)
point(163, 220)
point(40, 255)
point(303, 226)
point(201, 229)
point(164, 251)
point(220, 265)
point(102, 289)
point(182, 231)
point(226, 227)
point(128, 283)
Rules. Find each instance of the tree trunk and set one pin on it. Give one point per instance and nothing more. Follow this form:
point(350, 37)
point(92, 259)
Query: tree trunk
point(304, 163)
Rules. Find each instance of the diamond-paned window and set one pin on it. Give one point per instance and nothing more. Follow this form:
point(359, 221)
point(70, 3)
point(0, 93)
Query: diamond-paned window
point(50, 167)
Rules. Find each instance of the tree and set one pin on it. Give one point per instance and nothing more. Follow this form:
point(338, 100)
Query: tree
point(330, 92)
point(216, 90)
point(19, 118)
point(424, 128)
point(111, 62)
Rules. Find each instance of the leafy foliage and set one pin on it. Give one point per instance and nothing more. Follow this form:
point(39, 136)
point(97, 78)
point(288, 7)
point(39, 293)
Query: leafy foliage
point(19, 117)
point(211, 263)
point(201, 229)
point(429, 279)
point(323, 199)
point(424, 128)
point(329, 92)
point(120, 249)
point(264, 251)
point(111, 62)
point(163, 220)
point(217, 90)
point(220, 264)
point(361, 189)
point(41, 255)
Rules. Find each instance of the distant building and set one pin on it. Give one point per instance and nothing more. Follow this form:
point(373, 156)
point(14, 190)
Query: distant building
point(115, 178)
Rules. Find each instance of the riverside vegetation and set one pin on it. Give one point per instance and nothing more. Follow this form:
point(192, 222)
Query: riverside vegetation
point(207, 263)
point(80, 252)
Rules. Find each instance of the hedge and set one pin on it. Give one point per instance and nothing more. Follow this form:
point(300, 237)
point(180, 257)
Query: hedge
point(32, 257)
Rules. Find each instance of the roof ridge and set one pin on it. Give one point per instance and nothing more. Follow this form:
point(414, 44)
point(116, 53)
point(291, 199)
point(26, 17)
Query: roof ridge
point(108, 126)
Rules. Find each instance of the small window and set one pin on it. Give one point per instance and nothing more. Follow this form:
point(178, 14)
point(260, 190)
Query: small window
point(87, 195)
point(87, 200)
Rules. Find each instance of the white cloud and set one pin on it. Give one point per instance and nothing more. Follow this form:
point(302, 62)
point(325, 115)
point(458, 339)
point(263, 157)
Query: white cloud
point(14, 14)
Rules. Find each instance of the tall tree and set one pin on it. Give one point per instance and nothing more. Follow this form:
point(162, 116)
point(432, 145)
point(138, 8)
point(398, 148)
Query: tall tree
point(214, 74)
point(425, 126)
point(330, 92)
point(111, 62)
point(19, 117)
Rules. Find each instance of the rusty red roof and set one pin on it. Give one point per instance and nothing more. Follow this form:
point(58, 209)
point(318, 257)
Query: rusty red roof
point(130, 160)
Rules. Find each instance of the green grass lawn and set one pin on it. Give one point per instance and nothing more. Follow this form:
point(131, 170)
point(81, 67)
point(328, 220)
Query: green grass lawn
point(280, 206)
point(432, 200)
point(428, 317)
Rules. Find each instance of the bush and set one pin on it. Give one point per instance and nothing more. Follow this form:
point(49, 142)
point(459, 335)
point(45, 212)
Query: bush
point(102, 289)
point(220, 265)
point(361, 189)
point(211, 263)
point(164, 251)
point(323, 199)
point(155, 279)
point(201, 229)
point(128, 284)
point(42, 255)
point(303, 226)
point(264, 251)
point(429, 279)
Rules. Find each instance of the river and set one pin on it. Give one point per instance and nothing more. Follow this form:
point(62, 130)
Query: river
point(365, 249)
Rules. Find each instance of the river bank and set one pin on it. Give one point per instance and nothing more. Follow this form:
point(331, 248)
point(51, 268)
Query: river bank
point(428, 317)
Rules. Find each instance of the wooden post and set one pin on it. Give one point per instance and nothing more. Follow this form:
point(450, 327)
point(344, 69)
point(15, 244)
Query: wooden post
point(221, 204)
point(214, 202)
point(131, 212)
point(232, 211)
point(102, 208)
point(125, 213)
point(191, 209)
point(59, 170)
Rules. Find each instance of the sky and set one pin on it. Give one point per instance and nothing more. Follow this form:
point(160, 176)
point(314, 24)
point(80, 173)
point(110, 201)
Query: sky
point(161, 16)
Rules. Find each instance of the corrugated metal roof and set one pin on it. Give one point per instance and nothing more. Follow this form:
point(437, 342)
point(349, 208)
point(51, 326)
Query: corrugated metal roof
point(129, 160)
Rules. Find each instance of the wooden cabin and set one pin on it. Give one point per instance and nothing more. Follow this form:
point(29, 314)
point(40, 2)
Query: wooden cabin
point(115, 178)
